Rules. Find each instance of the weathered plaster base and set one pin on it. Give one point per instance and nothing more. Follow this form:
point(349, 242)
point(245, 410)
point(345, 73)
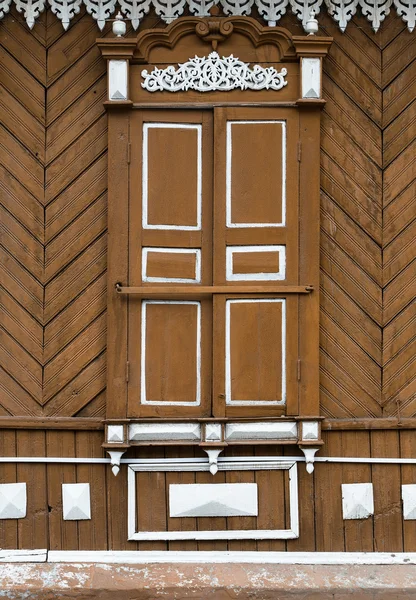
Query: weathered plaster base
point(218, 582)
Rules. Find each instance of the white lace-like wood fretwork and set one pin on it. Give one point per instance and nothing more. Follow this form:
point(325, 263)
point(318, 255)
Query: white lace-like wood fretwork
point(213, 73)
point(271, 10)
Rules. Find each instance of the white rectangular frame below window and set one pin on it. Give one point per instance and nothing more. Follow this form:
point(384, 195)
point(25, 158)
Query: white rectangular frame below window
point(228, 399)
point(231, 276)
point(255, 463)
point(143, 398)
point(148, 250)
point(145, 178)
point(228, 184)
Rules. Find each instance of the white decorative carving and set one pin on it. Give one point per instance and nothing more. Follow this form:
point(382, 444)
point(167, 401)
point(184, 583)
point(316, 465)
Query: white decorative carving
point(375, 11)
point(309, 458)
point(115, 434)
point(100, 10)
point(213, 432)
point(213, 73)
point(303, 8)
point(342, 11)
point(225, 464)
point(357, 500)
point(213, 454)
point(273, 430)
point(76, 504)
point(409, 502)
point(271, 10)
point(65, 10)
point(213, 500)
point(310, 430)
point(12, 500)
point(117, 79)
point(115, 458)
point(407, 10)
point(31, 9)
point(164, 432)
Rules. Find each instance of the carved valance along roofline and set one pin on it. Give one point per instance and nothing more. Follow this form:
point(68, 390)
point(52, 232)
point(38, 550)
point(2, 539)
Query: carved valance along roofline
point(103, 10)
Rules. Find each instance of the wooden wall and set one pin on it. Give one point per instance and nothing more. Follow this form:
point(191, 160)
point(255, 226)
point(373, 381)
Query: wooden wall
point(53, 219)
point(322, 527)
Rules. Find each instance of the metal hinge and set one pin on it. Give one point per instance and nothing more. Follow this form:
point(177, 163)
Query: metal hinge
point(298, 369)
point(299, 151)
point(127, 371)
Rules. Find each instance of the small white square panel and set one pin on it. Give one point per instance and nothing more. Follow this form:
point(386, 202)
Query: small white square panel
point(357, 500)
point(115, 434)
point(213, 432)
point(409, 501)
point(13, 500)
point(76, 504)
point(310, 430)
point(278, 274)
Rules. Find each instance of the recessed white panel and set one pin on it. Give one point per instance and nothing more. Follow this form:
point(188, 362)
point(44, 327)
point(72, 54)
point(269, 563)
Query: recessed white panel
point(260, 276)
point(145, 177)
point(195, 251)
point(229, 175)
point(117, 80)
point(228, 371)
point(144, 399)
point(213, 500)
point(311, 78)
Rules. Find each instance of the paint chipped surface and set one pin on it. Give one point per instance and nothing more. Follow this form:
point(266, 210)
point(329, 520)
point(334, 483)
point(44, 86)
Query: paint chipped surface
point(210, 581)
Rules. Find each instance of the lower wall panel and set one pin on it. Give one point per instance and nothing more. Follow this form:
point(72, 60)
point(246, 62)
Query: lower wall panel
point(321, 523)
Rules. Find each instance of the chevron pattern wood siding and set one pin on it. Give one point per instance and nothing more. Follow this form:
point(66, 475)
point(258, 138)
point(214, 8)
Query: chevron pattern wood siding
point(53, 219)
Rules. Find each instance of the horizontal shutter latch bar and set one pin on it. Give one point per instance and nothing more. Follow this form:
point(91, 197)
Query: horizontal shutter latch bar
point(208, 290)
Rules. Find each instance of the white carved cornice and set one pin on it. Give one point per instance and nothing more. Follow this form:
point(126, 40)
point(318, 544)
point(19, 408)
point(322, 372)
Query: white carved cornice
point(168, 10)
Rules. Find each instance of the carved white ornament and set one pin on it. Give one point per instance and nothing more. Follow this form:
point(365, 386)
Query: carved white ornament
point(357, 500)
point(12, 500)
point(213, 73)
point(168, 10)
point(76, 503)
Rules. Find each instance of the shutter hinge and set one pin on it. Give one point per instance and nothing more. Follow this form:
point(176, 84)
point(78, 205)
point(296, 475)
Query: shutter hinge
point(299, 151)
point(298, 369)
point(127, 371)
point(128, 153)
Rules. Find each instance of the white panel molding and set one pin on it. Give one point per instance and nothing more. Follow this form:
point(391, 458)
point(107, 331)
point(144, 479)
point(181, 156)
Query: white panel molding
point(311, 77)
point(260, 276)
point(213, 432)
point(228, 175)
point(195, 251)
point(134, 10)
point(236, 557)
point(228, 374)
point(115, 434)
point(226, 464)
point(213, 73)
point(267, 430)
point(145, 176)
point(164, 431)
point(310, 431)
point(143, 396)
point(117, 80)
point(357, 500)
point(76, 503)
point(213, 500)
point(409, 501)
point(13, 500)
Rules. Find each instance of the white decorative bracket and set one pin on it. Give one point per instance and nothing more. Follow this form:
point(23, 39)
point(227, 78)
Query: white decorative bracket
point(213, 73)
point(213, 454)
point(309, 457)
point(115, 457)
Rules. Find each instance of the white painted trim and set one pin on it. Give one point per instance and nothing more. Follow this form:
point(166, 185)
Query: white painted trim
point(213, 500)
point(228, 186)
point(225, 464)
point(148, 250)
point(117, 80)
point(164, 431)
point(311, 77)
point(260, 276)
point(228, 377)
point(25, 556)
point(221, 557)
point(143, 398)
point(145, 179)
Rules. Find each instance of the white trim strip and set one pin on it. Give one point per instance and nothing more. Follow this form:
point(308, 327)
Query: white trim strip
point(149, 250)
point(145, 176)
point(228, 185)
point(143, 396)
point(26, 556)
point(279, 275)
point(218, 557)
